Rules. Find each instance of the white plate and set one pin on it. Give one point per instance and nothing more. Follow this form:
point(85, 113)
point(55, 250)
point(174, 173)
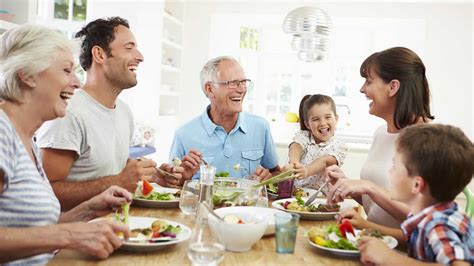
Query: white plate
point(346, 204)
point(310, 192)
point(390, 241)
point(268, 213)
point(135, 222)
point(159, 203)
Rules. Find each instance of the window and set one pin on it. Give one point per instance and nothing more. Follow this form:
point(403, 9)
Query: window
point(68, 16)
point(281, 80)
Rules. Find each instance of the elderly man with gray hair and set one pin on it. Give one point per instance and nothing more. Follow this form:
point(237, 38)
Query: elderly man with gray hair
point(224, 136)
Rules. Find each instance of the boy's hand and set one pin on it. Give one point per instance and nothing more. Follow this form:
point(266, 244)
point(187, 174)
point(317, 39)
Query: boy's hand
point(374, 251)
point(354, 218)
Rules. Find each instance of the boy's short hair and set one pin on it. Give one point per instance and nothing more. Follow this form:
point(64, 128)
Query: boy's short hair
point(441, 154)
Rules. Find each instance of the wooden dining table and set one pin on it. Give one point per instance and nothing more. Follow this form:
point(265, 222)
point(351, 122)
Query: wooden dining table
point(262, 253)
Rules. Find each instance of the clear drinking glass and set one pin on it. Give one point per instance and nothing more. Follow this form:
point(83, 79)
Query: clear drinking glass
point(189, 199)
point(286, 228)
point(262, 200)
point(206, 246)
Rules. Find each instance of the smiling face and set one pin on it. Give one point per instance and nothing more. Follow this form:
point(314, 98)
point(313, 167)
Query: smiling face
point(120, 67)
point(377, 91)
point(55, 85)
point(225, 100)
point(322, 121)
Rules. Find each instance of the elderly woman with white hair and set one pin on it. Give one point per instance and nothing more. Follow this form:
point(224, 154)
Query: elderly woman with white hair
point(36, 80)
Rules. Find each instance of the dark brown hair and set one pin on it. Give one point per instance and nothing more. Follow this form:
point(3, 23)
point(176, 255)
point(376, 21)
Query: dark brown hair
point(413, 96)
point(308, 101)
point(100, 32)
point(441, 154)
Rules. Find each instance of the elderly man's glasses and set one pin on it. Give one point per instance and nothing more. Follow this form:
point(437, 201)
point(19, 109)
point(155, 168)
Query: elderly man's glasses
point(234, 84)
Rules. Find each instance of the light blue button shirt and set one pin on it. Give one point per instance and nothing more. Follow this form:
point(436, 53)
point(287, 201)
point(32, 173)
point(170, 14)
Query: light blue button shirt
point(249, 144)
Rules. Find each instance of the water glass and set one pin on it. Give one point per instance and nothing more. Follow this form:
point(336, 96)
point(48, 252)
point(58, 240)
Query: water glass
point(285, 189)
point(207, 174)
point(286, 228)
point(189, 199)
point(262, 200)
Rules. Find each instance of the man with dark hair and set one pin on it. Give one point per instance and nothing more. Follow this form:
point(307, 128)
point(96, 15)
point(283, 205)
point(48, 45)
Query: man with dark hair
point(87, 151)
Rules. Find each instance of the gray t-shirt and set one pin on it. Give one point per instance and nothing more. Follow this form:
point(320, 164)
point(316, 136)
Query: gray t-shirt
point(100, 136)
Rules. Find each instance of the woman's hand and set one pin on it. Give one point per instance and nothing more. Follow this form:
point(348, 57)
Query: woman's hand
point(98, 239)
point(334, 173)
point(111, 199)
point(347, 187)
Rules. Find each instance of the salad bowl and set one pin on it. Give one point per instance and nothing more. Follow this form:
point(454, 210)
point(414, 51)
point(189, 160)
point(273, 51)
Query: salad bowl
point(242, 228)
point(230, 192)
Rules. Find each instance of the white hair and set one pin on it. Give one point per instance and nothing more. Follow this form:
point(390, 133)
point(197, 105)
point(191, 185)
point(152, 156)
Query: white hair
point(209, 70)
point(30, 49)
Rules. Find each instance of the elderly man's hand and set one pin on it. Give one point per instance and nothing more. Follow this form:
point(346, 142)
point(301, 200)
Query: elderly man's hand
point(173, 179)
point(262, 173)
point(190, 163)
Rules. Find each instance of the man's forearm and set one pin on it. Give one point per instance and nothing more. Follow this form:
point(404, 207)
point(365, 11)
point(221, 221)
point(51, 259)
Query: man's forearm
point(73, 193)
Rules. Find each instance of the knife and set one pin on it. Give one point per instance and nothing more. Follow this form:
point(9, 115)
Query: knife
point(315, 195)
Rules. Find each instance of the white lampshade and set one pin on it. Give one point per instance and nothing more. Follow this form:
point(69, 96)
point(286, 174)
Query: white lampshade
point(310, 27)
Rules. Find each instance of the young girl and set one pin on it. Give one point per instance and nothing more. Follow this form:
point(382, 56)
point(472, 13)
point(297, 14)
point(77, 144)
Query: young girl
point(314, 147)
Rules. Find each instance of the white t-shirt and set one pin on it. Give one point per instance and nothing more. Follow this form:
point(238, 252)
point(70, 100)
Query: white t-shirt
point(375, 169)
point(312, 150)
point(100, 136)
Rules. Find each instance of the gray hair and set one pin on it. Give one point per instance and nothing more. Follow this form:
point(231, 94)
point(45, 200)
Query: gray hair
point(30, 49)
point(209, 70)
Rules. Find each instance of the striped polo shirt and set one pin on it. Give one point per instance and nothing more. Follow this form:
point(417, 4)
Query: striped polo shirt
point(27, 199)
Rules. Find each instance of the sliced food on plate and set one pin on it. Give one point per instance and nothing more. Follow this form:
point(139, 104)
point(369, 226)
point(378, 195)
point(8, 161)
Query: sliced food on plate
point(342, 239)
point(298, 205)
point(150, 233)
point(153, 195)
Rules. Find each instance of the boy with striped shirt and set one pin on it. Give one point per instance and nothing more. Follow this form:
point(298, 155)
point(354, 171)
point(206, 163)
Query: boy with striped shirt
point(432, 164)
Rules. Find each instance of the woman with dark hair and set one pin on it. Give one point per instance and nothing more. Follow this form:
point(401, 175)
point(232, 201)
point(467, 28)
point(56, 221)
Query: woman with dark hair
point(396, 85)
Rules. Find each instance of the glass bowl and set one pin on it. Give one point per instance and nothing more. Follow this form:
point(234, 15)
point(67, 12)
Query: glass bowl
point(229, 192)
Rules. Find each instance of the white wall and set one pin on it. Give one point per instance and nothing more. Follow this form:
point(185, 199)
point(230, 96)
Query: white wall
point(448, 48)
